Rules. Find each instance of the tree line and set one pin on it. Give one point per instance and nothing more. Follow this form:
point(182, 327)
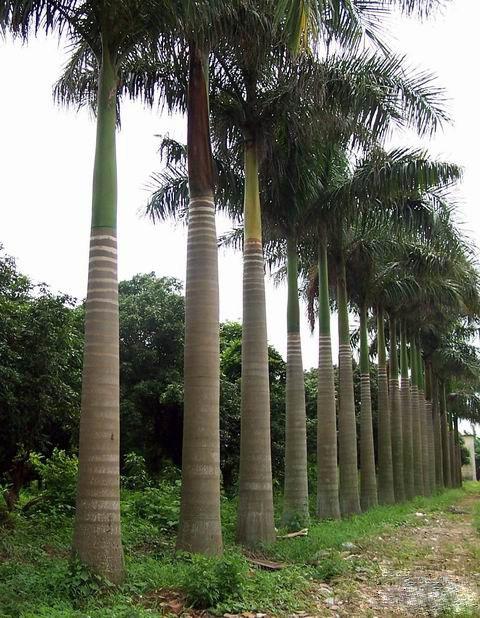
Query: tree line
point(289, 105)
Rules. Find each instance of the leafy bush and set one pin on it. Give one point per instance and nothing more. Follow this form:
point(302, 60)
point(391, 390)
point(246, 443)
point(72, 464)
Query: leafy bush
point(213, 581)
point(58, 478)
point(83, 583)
point(159, 505)
point(136, 475)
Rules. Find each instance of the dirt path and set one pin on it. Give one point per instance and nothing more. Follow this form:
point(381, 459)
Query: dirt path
point(426, 569)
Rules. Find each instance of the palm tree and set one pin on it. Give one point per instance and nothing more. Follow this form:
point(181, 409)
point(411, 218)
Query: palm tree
point(196, 29)
point(199, 525)
point(104, 34)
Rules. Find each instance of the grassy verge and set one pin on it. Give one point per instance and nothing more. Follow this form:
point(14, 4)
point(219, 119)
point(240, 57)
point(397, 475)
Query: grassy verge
point(37, 580)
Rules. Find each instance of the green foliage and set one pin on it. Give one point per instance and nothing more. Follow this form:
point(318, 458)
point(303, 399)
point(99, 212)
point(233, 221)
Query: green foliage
point(135, 472)
point(83, 583)
point(214, 581)
point(159, 505)
point(58, 477)
point(151, 368)
point(41, 344)
point(38, 579)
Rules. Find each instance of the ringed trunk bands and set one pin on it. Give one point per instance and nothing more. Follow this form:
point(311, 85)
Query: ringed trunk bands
point(347, 437)
point(368, 481)
point(200, 527)
point(385, 465)
point(97, 537)
point(255, 523)
point(295, 502)
point(328, 506)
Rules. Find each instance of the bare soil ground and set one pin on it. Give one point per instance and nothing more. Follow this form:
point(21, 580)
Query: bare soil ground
point(428, 568)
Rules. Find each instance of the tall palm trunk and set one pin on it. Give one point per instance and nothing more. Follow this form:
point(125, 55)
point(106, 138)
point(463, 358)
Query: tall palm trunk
point(451, 438)
point(255, 508)
point(437, 433)
point(447, 479)
point(347, 430)
point(416, 425)
point(97, 538)
point(424, 425)
point(200, 528)
point(396, 417)
point(430, 428)
point(328, 506)
point(295, 502)
point(368, 481)
point(406, 418)
point(385, 465)
point(458, 458)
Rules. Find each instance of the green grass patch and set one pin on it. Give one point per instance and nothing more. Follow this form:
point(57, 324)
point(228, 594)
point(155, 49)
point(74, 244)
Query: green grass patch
point(37, 579)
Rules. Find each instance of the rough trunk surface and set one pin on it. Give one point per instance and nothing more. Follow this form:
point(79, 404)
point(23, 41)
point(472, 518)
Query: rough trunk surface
point(368, 481)
point(347, 430)
point(417, 443)
point(426, 458)
point(405, 395)
point(295, 500)
point(385, 463)
point(328, 506)
point(437, 433)
point(397, 440)
point(97, 538)
point(200, 528)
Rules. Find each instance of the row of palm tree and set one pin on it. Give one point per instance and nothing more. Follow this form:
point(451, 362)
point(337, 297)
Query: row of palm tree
point(297, 132)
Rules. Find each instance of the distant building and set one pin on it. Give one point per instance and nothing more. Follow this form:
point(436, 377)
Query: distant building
point(469, 472)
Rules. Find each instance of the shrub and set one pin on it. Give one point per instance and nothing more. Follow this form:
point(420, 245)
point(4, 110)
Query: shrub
point(159, 505)
point(83, 584)
point(58, 479)
point(213, 581)
point(136, 475)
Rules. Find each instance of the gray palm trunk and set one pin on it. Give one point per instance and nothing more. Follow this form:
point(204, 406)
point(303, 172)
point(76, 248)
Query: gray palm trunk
point(405, 400)
point(295, 501)
point(368, 480)
point(347, 430)
point(430, 428)
point(457, 452)
point(451, 440)
point(437, 434)
point(200, 527)
point(385, 465)
point(396, 421)
point(328, 506)
point(97, 537)
point(447, 478)
point(424, 426)
point(416, 426)
point(255, 523)
point(425, 444)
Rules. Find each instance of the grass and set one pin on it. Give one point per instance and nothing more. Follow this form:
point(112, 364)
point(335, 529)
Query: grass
point(37, 579)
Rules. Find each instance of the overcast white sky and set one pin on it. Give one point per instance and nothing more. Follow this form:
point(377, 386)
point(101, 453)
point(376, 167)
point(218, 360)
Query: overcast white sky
point(46, 158)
